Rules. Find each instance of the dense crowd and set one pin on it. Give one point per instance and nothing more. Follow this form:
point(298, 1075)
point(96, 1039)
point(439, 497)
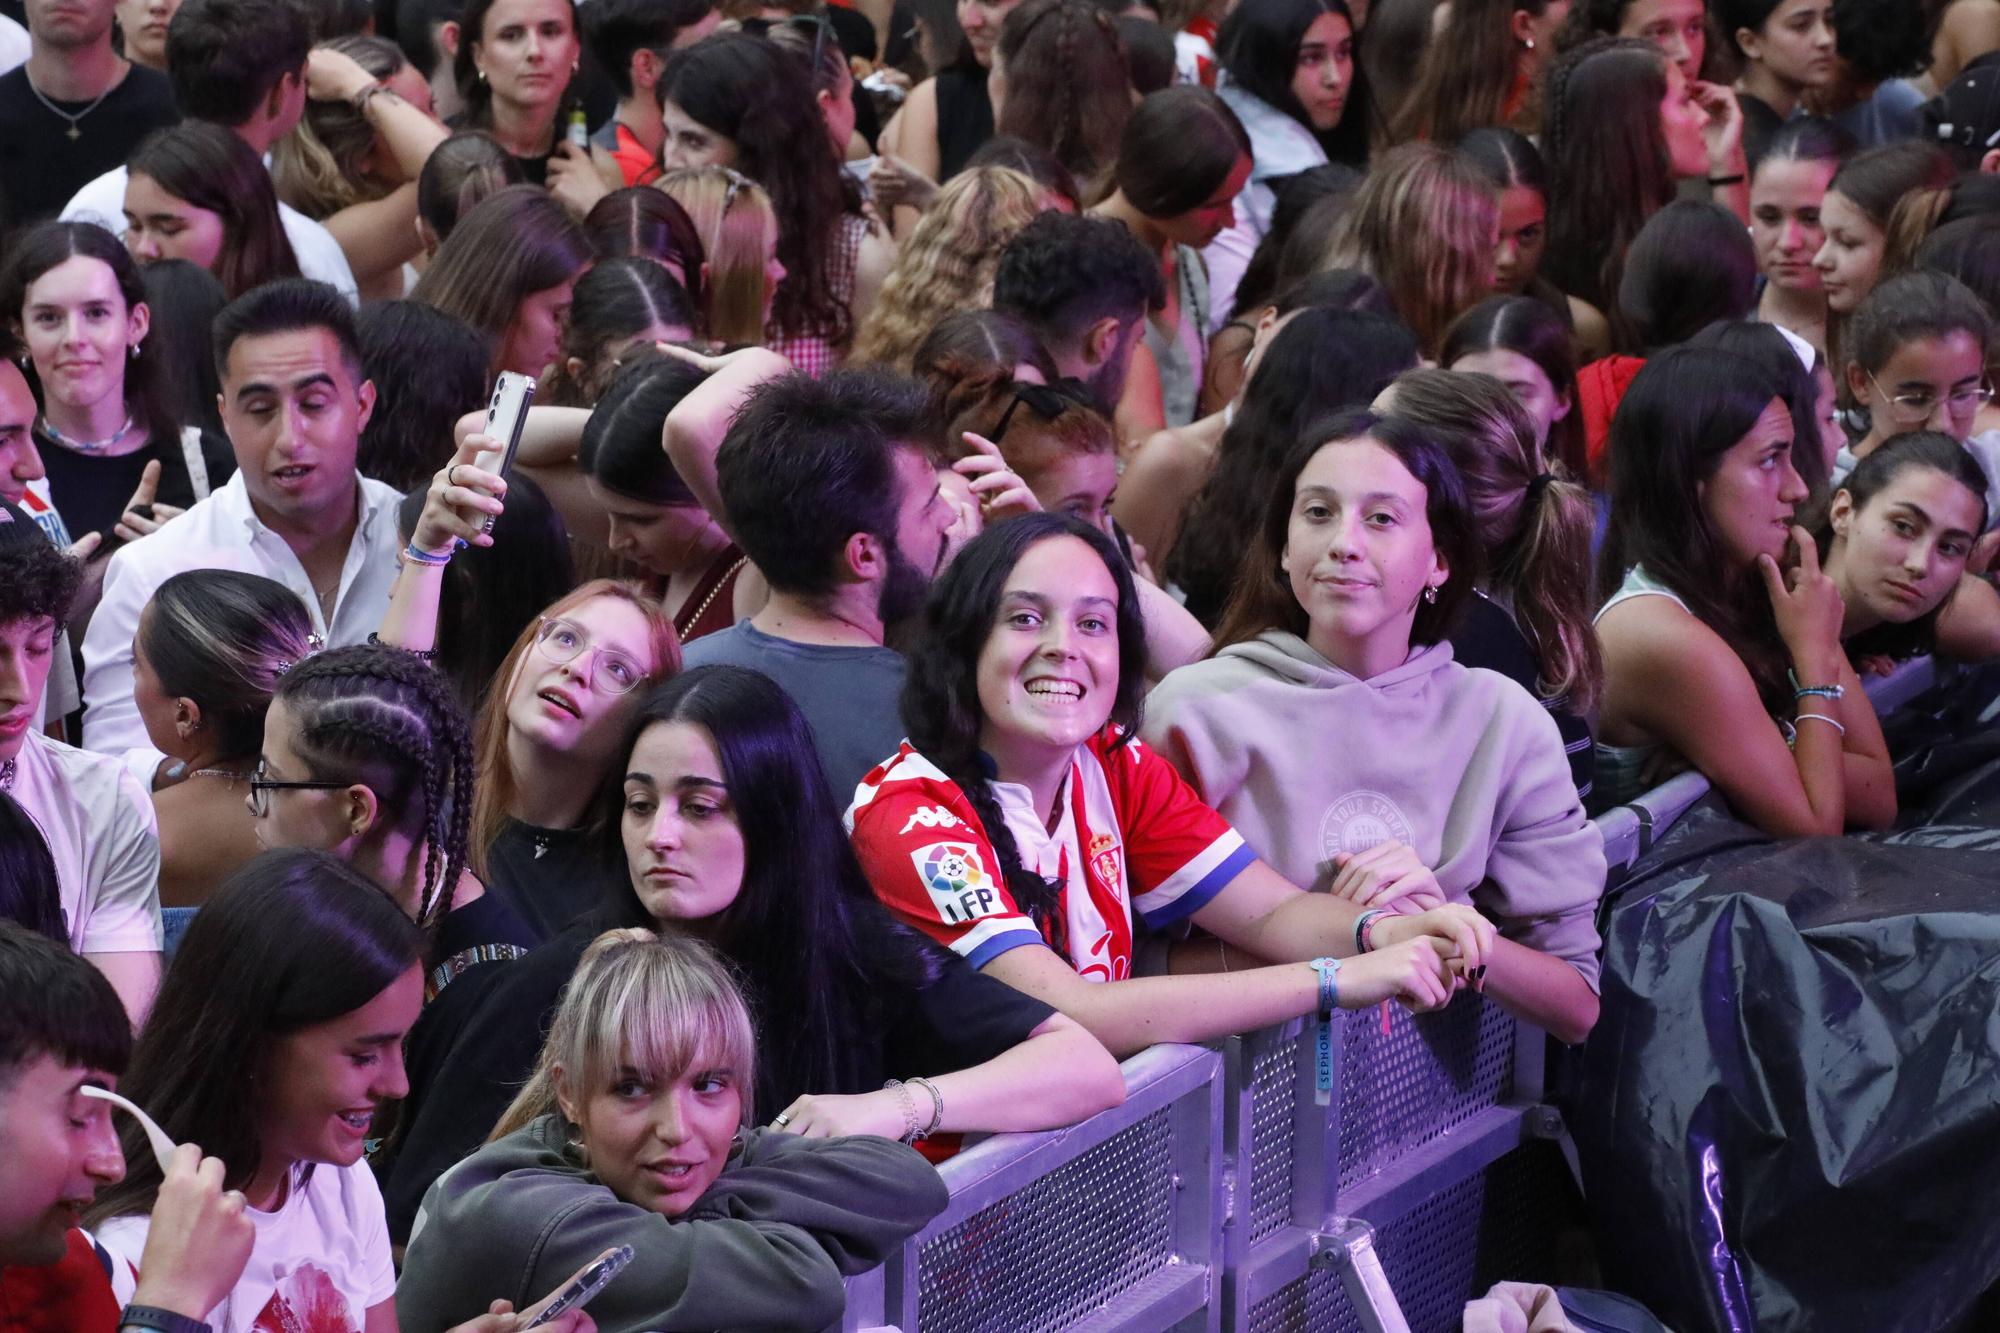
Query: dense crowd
point(1045, 527)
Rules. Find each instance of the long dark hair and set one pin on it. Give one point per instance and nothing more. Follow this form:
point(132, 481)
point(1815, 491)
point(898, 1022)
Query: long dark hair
point(224, 638)
point(1258, 47)
point(1691, 265)
point(209, 167)
point(759, 97)
point(1527, 327)
point(293, 939)
point(1763, 344)
point(184, 299)
point(940, 703)
point(1686, 408)
point(617, 299)
point(1467, 71)
point(515, 242)
point(820, 959)
point(1875, 474)
point(35, 251)
point(1264, 600)
point(30, 893)
point(1608, 158)
point(380, 717)
point(1323, 360)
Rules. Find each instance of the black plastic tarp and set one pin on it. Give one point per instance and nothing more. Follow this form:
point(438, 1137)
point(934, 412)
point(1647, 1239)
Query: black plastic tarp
point(1788, 1116)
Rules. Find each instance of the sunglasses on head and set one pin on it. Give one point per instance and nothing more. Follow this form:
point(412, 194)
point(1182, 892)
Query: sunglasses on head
point(1048, 401)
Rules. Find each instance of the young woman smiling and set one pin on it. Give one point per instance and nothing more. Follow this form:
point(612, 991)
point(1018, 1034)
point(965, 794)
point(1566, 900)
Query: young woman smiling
point(1715, 652)
point(76, 297)
point(1024, 825)
point(636, 1129)
point(275, 1040)
point(1334, 644)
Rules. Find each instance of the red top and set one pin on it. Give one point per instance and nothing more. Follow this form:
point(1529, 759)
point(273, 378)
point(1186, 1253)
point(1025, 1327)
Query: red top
point(72, 1295)
point(1600, 387)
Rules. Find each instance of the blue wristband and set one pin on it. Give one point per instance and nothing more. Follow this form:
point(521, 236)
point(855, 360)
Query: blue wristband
point(1329, 1000)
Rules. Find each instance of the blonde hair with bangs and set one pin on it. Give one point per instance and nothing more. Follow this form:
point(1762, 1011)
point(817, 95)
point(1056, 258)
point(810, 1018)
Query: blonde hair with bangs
point(659, 1005)
point(739, 234)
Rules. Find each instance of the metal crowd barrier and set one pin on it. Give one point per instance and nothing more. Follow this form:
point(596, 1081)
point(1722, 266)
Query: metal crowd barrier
point(1222, 1196)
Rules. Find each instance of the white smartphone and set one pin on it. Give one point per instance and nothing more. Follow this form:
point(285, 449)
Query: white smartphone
point(506, 418)
point(585, 1283)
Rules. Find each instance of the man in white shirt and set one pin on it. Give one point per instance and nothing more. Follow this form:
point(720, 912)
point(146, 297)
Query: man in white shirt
point(242, 65)
point(96, 819)
point(294, 400)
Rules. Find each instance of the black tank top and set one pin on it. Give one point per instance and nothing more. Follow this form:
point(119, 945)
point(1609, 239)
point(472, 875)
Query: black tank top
point(964, 117)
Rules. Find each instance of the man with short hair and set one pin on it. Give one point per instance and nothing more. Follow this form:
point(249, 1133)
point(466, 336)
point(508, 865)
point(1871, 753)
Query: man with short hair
point(1085, 286)
point(631, 39)
point(830, 487)
point(74, 109)
point(62, 1030)
point(294, 400)
point(240, 64)
point(96, 819)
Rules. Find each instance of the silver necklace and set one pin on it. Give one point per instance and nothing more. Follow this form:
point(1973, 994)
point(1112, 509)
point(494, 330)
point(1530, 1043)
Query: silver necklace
point(86, 446)
point(73, 132)
point(7, 771)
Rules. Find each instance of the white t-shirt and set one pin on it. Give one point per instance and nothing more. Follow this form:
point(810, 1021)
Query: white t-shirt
point(14, 45)
point(320, 256)
point(101, 830)
point(320, 1262)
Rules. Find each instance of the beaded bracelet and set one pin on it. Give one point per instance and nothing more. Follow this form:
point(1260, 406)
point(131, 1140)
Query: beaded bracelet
point(937, 1106)
point(909, 1108)
point(1799, 691)
point(423, 654)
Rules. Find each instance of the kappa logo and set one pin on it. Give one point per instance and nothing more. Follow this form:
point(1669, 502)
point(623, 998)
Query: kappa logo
point(959, 886)
point(933, 816)
point(1360, 820)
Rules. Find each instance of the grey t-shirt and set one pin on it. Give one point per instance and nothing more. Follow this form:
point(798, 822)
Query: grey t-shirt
point(848, 695)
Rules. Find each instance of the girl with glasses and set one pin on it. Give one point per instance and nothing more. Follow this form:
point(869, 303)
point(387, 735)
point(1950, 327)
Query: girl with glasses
point(554, 710)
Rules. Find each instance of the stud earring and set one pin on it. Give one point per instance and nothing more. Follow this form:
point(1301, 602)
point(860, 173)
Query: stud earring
point(1528, 42)
point(1430, 594)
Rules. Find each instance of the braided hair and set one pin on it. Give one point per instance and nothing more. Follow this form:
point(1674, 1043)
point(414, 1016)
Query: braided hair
point(940, 702)
point(383, 718)
point(1069, 88)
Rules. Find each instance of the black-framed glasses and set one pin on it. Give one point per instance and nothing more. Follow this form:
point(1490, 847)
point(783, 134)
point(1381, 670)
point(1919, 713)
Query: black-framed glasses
point(261, 788)
point(563, 641)
point(1048, 401)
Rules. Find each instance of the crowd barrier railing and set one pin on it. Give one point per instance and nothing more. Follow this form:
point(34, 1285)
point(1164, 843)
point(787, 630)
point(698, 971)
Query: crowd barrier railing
point(1223, 1196)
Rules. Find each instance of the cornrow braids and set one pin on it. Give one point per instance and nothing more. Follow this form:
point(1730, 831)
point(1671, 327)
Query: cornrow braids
point(395, 720)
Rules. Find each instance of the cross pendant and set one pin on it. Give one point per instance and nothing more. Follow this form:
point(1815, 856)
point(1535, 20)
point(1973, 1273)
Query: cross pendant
point(75, 134)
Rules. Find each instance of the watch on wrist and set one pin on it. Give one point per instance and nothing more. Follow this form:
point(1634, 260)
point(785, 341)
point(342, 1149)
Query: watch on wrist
point(163, 1321)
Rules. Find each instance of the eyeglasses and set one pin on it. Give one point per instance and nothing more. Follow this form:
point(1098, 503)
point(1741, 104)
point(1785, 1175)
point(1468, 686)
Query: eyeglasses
point(261, 788)
point(1049, 401)
point(1916, 407)
point(562, 641)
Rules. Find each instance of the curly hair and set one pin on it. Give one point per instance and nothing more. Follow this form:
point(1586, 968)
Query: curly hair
point(41, 579)
point(381, 717)
point(948, 262)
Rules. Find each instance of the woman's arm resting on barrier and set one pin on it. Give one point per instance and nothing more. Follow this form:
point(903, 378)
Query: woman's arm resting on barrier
point(1542, 989)
point(1059, 1076)
point(1870, 778)
point(1128, 1016)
